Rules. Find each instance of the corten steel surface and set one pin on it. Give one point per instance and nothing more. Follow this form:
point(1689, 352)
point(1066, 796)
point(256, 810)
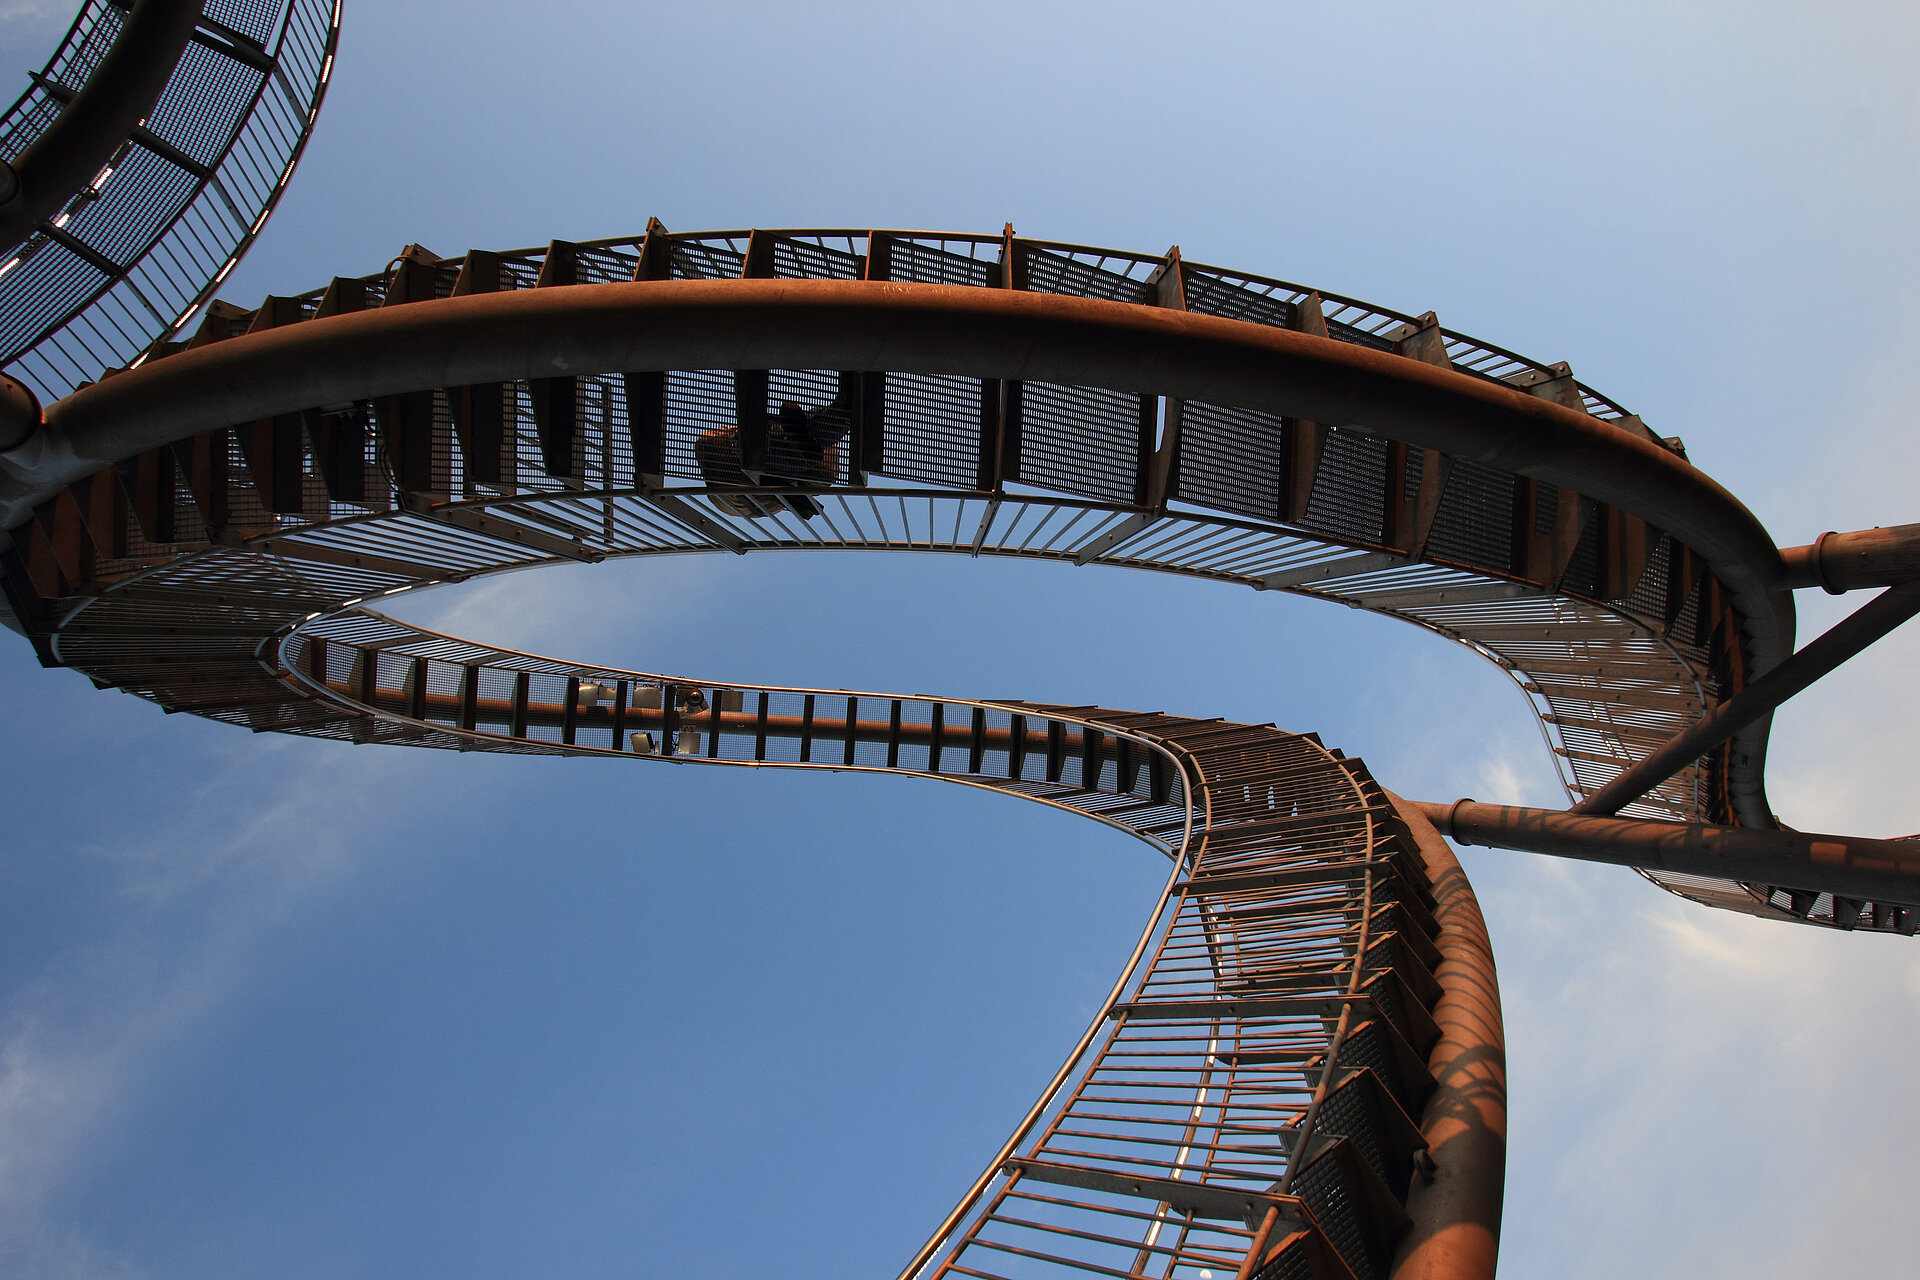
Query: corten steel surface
point(149, 153)
point(1842, 562)
point(1456, 1212)
point(1298, 1073)
point(453, 417)
point(1849, 870)
point(115, 95)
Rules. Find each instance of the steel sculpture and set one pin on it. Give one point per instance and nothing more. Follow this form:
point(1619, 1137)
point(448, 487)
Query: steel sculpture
point(138, 167)
point(1312, 985)
point(1298, 1072)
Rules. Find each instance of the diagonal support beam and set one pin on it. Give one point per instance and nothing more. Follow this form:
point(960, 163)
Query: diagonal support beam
point(693, 518)
point(1127, 529)
point(496, 529)
point(1327, 570)
point(1873, 620)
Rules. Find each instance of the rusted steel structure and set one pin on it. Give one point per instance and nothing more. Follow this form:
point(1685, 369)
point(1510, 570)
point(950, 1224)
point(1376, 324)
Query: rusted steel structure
point(971, 394)
point(139, 166)
point(1298, 1074)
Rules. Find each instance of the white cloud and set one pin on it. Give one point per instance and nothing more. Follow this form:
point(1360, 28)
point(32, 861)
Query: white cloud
point(202, 902)
point(585, 613)
point(1694, 1091)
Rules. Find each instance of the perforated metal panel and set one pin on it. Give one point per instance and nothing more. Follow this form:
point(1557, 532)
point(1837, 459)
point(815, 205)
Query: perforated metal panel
point(1230, 459)
point(175, 207)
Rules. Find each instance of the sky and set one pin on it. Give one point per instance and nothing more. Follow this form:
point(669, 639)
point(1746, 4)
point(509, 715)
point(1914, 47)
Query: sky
point(279, 1007)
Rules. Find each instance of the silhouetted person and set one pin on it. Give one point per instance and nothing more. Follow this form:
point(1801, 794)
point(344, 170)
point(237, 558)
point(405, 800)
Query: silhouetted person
point(803, 448)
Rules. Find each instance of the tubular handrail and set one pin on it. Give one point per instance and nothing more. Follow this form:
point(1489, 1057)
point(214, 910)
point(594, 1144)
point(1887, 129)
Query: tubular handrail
point(1612, 668)
point(159, 165)
point(1317, 823)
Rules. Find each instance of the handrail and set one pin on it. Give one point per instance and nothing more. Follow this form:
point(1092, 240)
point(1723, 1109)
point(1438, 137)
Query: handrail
point(1580, 649)
point(118, 94)
point(393, 681)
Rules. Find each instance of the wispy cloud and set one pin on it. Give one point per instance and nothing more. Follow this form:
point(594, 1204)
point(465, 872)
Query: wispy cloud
point(587, 613)
point(24, 11)
point(1689, 1072)
point(192, 909)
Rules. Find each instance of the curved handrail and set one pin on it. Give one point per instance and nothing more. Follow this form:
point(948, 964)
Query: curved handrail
point(927, 330)
point(1288, 928)
point(1612, 667)
point(118, 93)
point(148, 173)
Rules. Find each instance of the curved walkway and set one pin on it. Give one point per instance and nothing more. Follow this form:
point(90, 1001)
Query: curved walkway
point(454, 417)
point(148, 155)
point(1300, 1069)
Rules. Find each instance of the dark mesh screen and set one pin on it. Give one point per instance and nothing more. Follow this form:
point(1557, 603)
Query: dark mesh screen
point(604, 266)
point(815, 460)
point(1080, 440)
point(251, 18)
point(1349, 490)
point(1211, 296)
point(1359, 337)
point(797, 259)
point(1649, 598)
point(1370, 1045)
point(1475, 522)
point(698, 401)
point(206, 97)
point(933, 429)
point(57, 280)
point(697, 261)
point(1323, 1185)
point(925, 264)
point(1229, 459)
point(137, 204)
point(1057, 273)
point(1353, 1111)
point(1292, 1264)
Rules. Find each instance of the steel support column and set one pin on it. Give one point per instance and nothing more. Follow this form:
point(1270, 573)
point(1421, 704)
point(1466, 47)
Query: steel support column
point(1886, 871)
point(1456, 1203)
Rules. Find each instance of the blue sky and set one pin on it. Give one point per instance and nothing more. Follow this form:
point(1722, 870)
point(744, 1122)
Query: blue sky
point(274, 1007)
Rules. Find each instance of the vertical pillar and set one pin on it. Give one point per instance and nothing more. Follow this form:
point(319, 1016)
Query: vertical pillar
point(1455, 1206)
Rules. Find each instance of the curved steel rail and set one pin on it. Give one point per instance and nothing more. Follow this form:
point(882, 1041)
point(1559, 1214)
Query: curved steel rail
point(151, 150)
point(1312, 978)
point(460, 416)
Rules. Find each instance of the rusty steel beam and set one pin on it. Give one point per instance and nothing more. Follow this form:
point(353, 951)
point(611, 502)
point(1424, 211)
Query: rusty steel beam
point(19, 412)
point(118, 95)
point(1456, 1202)
point(555, 714)
point(1842, 562)
point(1004, 334)
point(1869, 623)
point(916, 328)
point(1885, 871)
